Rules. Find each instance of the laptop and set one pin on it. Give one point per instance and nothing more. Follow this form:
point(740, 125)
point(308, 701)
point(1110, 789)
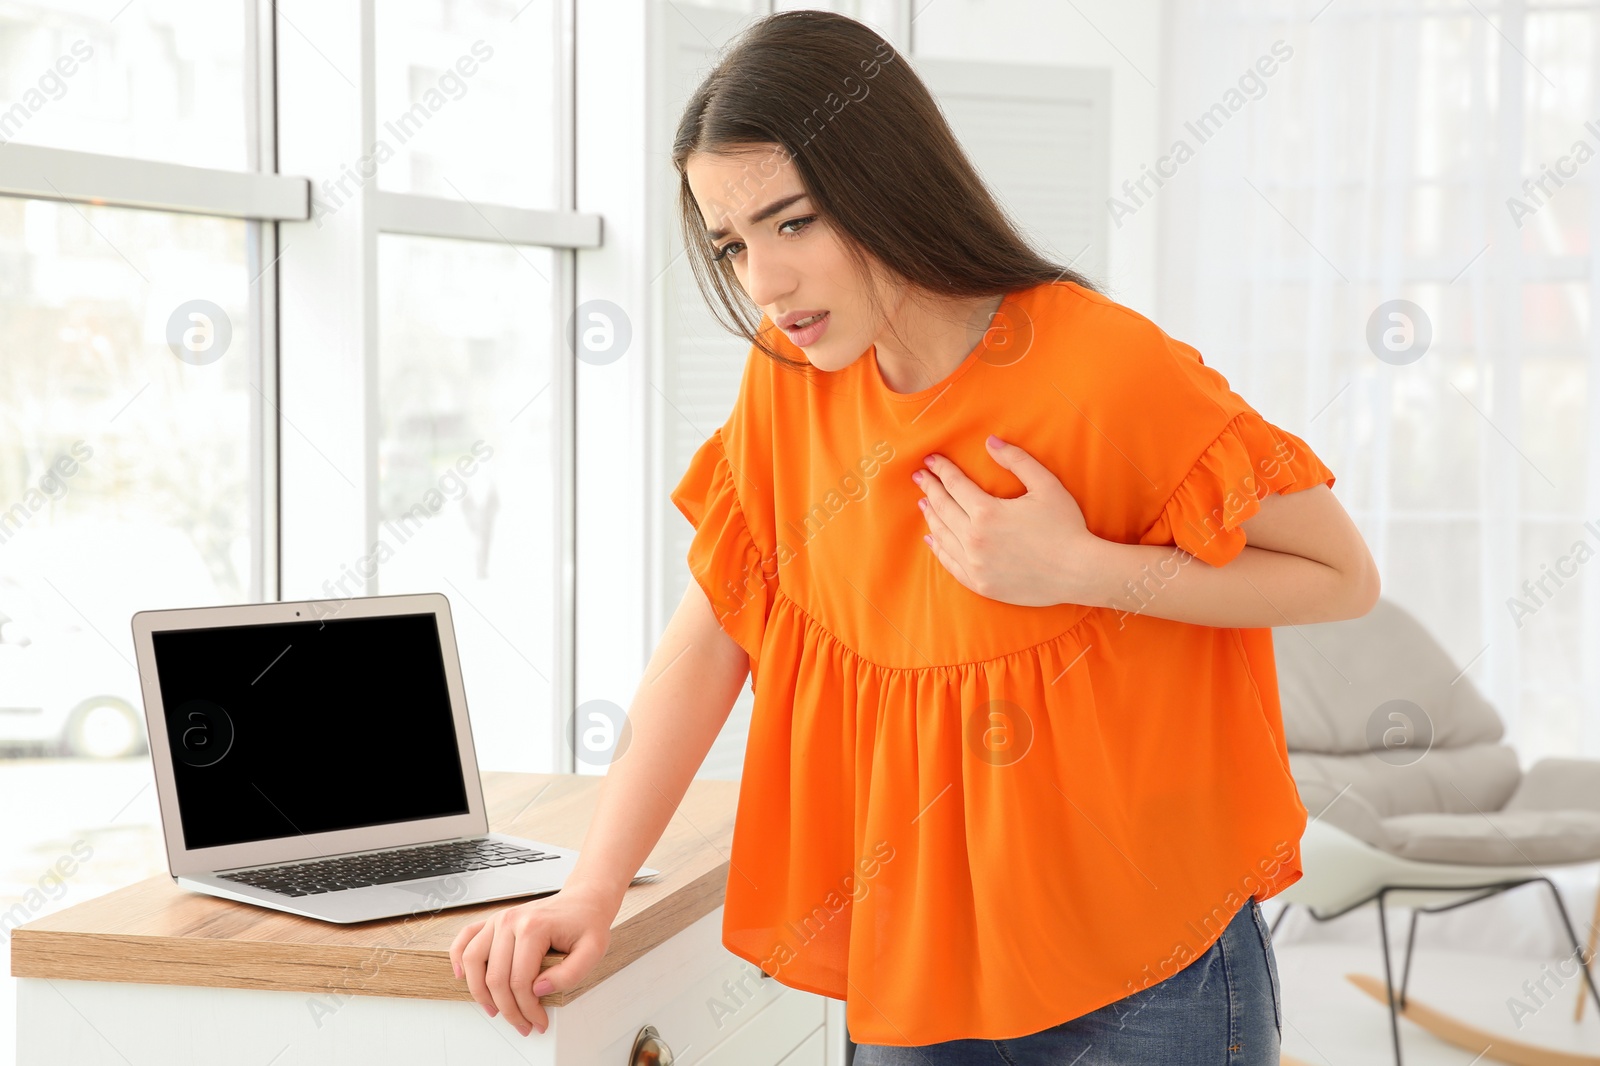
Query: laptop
point(315, 757)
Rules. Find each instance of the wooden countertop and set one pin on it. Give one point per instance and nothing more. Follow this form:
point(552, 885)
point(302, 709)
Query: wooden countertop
point(154, 932)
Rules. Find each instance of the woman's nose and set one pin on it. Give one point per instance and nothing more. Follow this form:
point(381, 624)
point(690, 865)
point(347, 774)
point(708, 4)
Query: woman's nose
point(765, 280)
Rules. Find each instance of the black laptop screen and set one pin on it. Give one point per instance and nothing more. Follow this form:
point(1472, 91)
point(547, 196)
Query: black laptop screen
point(308, 727)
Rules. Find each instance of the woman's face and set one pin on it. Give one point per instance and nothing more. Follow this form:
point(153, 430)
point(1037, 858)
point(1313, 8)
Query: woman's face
point(790, 262)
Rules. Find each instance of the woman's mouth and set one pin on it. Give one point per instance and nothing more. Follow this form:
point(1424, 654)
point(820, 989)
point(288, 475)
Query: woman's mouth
point(808, 331)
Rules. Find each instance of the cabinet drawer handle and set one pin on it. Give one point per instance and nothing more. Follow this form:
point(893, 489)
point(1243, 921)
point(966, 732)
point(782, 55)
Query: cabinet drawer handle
point(649, 1049)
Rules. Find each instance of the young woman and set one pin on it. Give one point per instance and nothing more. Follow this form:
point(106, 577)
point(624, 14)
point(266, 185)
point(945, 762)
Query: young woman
point(1000, 558)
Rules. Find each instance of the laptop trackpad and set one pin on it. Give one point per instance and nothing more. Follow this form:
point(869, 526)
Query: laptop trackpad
point(443, 889)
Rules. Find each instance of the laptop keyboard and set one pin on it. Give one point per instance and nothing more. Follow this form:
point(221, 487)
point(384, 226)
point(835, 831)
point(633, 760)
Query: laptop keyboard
point(385, 867)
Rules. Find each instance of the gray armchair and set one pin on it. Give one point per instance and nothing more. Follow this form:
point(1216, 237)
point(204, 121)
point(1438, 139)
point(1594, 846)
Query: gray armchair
point(1414, 799)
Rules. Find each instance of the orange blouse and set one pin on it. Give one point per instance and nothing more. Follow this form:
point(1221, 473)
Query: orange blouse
point(969, 818)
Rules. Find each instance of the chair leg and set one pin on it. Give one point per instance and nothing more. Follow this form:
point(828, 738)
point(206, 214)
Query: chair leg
point(1388, 978)
point(1273, 931)
point(1572, 937)
point(1594, 935)
point(1411, 941)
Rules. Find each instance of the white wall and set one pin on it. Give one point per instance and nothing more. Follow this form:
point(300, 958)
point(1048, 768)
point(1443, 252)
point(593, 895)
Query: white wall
point(1123, 36)
point(610, 86)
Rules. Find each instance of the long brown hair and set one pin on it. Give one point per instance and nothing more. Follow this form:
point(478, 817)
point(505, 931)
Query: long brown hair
point(874, 153)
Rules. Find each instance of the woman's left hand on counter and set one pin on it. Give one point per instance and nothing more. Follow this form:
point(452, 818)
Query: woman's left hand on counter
point(1034, 550)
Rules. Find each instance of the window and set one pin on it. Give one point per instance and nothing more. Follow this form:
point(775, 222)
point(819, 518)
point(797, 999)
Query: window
point(468, 100)
point(125, 470)
point(1395, 153)
point(152, 80)
point(210, 394)
point(466, 474)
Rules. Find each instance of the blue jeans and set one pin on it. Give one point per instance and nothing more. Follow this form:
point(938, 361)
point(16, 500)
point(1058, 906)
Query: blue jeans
point(1223, 1009)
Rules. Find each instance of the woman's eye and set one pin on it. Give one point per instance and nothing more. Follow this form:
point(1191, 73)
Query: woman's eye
point(727, 249)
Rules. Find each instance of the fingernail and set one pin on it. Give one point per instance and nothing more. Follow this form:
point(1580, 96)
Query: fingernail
point(457, 969)
point(492, 1011)
point(923, 504)
point(524, 1029)
point(543, 986)
point(540, 1028)
point(996, 442)
point(917, 476)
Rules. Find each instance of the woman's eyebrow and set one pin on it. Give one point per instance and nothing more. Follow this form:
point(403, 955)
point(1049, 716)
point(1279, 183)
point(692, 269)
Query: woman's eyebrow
point(762, 215)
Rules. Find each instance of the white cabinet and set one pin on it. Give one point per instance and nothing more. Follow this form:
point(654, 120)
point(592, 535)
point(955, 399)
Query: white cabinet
point(710, 1007)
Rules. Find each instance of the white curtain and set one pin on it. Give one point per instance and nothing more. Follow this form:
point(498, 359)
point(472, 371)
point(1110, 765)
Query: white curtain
point(1319, 160)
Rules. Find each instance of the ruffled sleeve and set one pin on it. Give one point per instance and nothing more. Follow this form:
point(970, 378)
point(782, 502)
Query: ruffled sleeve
point(1249, 459)
point(1162, 450)
point(738, 577)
